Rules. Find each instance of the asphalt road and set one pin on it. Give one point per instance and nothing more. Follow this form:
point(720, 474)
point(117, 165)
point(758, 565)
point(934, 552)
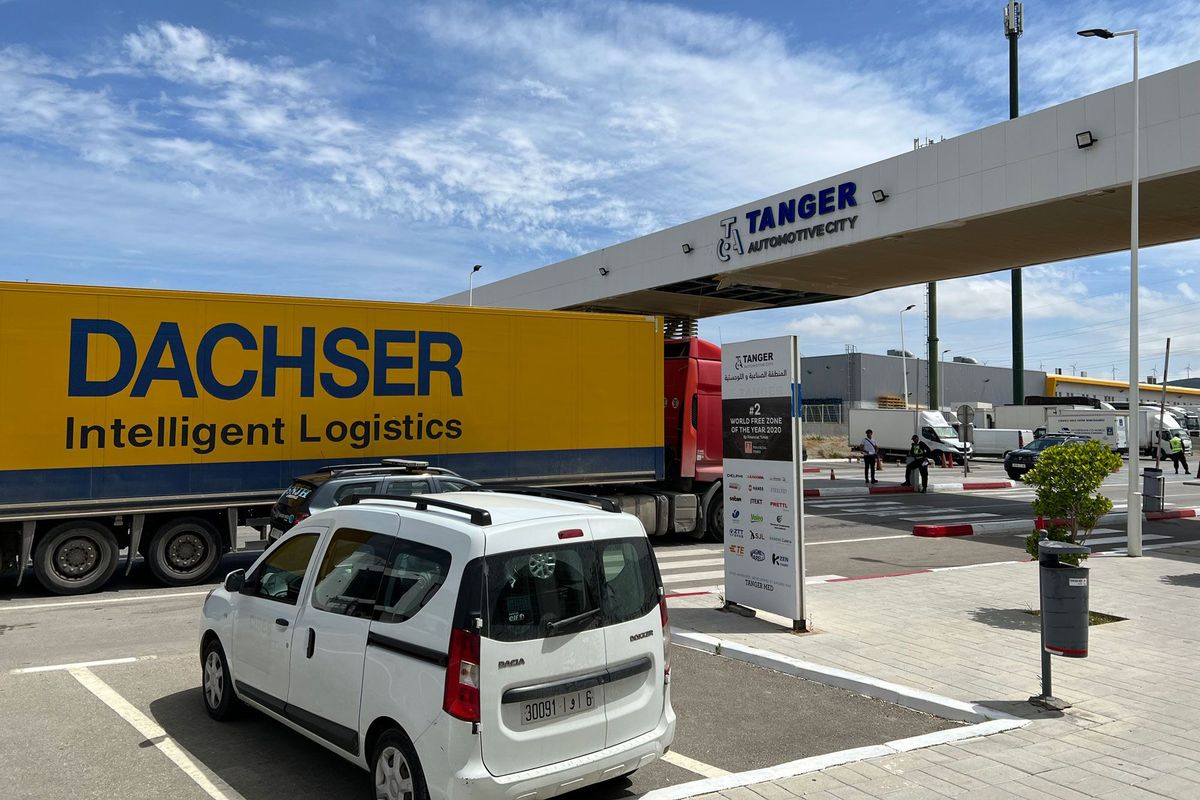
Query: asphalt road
point(129, 729)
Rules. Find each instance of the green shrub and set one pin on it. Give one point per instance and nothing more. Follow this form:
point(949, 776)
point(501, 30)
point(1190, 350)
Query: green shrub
point(1068, 478)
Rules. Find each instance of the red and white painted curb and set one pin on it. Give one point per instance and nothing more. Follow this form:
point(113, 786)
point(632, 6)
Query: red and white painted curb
point(900, 488)
point(1027, 526)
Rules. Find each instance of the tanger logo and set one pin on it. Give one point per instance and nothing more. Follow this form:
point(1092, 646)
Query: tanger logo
point(758, 555)
point(730, 242)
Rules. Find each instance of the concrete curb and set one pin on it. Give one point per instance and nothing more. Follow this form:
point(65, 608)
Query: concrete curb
point(986, 720)
point(900, 488)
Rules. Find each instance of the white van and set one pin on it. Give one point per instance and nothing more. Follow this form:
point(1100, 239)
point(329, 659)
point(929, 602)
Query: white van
point(476, 644)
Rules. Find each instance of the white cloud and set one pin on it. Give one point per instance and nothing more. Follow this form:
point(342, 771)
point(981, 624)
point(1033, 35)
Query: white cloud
point(830, 326)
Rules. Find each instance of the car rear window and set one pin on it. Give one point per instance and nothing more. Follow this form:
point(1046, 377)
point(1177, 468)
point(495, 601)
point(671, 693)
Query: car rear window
point(296, 496)
point(527, 590)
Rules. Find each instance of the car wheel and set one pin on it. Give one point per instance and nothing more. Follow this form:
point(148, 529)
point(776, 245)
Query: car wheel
point(216, 682)
point(395, 771)
point(184, 552)
point(1016, 476)
point(714, 529)
point(76, 557)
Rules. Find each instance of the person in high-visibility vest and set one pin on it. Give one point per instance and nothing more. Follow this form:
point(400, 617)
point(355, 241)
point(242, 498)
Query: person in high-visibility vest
point(917, 458)
point(1178, 455)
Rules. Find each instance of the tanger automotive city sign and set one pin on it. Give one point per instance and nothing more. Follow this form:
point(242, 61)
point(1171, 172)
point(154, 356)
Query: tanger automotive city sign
point(796, 219)
point(764, 532)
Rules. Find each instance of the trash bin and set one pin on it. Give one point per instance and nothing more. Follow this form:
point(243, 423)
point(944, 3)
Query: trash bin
point(1064, 599)
point(1153, 489)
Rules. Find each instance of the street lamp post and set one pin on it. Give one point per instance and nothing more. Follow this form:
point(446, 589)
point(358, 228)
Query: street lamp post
point(1134, 499)
point(942, 378)
point(904, 354)
point(471, 284)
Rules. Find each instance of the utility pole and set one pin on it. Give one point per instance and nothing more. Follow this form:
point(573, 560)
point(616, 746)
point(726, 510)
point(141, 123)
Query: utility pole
point(932, 348)
point(1014, 25)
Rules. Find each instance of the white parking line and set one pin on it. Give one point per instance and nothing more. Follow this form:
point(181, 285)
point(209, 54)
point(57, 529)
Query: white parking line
point(79, 665)
point(212, 785)
point(70, 603)
point(692, 765)
point(863, 539)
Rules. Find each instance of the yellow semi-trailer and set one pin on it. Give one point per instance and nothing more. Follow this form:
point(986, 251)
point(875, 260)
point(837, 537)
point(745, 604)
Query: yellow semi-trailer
point(135, 419)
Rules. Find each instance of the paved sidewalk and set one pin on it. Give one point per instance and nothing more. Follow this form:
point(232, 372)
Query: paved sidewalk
point(1134, 730)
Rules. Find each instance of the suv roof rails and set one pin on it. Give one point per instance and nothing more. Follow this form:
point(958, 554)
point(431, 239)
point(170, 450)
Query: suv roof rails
point(390, 464)
point(479, 516)
point(604, 503)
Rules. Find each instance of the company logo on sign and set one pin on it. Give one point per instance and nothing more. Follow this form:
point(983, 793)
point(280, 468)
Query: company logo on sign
point(736, 513)
point(752, 359)
point(739, 533)
point(778, 560)
point(793, 212)
point(756, 517)
point(778, 490)
point(756, 535)
point(735, 486)
point(737, 549)
point(757, 501)
point(733, 498)
point(777, 504)
point(758, 555)
point(755, 477)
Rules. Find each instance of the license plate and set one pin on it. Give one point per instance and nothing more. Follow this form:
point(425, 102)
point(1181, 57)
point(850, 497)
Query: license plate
point(561, 705)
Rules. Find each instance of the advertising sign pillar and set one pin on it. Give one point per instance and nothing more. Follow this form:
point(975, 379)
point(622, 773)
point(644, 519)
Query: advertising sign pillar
point(764, 492)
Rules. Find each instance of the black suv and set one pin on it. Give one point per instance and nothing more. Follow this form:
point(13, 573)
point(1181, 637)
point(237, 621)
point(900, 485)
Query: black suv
point(326, 487)
point(1018, 462)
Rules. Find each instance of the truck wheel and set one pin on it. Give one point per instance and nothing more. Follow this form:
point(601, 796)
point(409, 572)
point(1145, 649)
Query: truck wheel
point(184, 552)
point(714, 531)
point(75, 557)
point(216, 682)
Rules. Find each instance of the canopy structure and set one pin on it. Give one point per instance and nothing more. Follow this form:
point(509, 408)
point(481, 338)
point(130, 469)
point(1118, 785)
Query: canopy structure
point(1027, 191)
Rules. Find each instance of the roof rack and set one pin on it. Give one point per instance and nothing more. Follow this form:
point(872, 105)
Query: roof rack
point(604, 503)
point(479, 516)
point(390, 464)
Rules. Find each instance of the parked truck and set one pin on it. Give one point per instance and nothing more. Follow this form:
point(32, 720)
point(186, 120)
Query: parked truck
point(1155, 429)
point(1110, 427)
point(998, 441)
point(158, 422)
point(894, 428)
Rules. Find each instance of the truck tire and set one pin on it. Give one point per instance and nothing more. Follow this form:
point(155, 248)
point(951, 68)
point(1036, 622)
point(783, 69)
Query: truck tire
point(184, 551)
point(714, 528)
point(75, 557)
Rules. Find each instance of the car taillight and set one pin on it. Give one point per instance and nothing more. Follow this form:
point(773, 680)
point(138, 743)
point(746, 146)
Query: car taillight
point(666, 628)
point(461, 698)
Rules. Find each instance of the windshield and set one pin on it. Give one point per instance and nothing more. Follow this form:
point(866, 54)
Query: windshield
point(944, 432)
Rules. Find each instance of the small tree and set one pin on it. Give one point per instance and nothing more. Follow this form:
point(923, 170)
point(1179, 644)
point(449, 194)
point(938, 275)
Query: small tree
point(1067, 478)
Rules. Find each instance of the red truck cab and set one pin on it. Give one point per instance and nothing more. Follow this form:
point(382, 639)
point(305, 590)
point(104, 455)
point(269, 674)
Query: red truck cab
point(692, 411)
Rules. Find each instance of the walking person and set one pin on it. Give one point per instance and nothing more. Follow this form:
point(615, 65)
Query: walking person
point(1178, 455)
point(870, 456)
point(917, 458)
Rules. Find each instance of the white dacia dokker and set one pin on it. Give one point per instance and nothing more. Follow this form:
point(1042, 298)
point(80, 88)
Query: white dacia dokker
point(491, 644)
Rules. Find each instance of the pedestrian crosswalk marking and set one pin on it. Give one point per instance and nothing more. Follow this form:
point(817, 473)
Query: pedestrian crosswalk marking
point(944, 517)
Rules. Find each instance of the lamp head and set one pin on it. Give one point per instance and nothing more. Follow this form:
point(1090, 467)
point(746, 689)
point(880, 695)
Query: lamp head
point(1102, 33)
point(476, 268)
point(911, 307)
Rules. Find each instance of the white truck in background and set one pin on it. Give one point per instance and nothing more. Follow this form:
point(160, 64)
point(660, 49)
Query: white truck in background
point(1150, 423)
point(1110, 427)
point(894, 428)
point(998, 441)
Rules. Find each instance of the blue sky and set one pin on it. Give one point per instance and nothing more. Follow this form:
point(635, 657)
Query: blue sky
point(378, 149)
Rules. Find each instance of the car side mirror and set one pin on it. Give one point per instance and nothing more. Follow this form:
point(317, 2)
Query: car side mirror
point(235, 581)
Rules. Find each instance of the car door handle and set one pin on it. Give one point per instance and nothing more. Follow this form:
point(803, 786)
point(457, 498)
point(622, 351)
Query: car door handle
point(312, 641)
point(283, 623)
